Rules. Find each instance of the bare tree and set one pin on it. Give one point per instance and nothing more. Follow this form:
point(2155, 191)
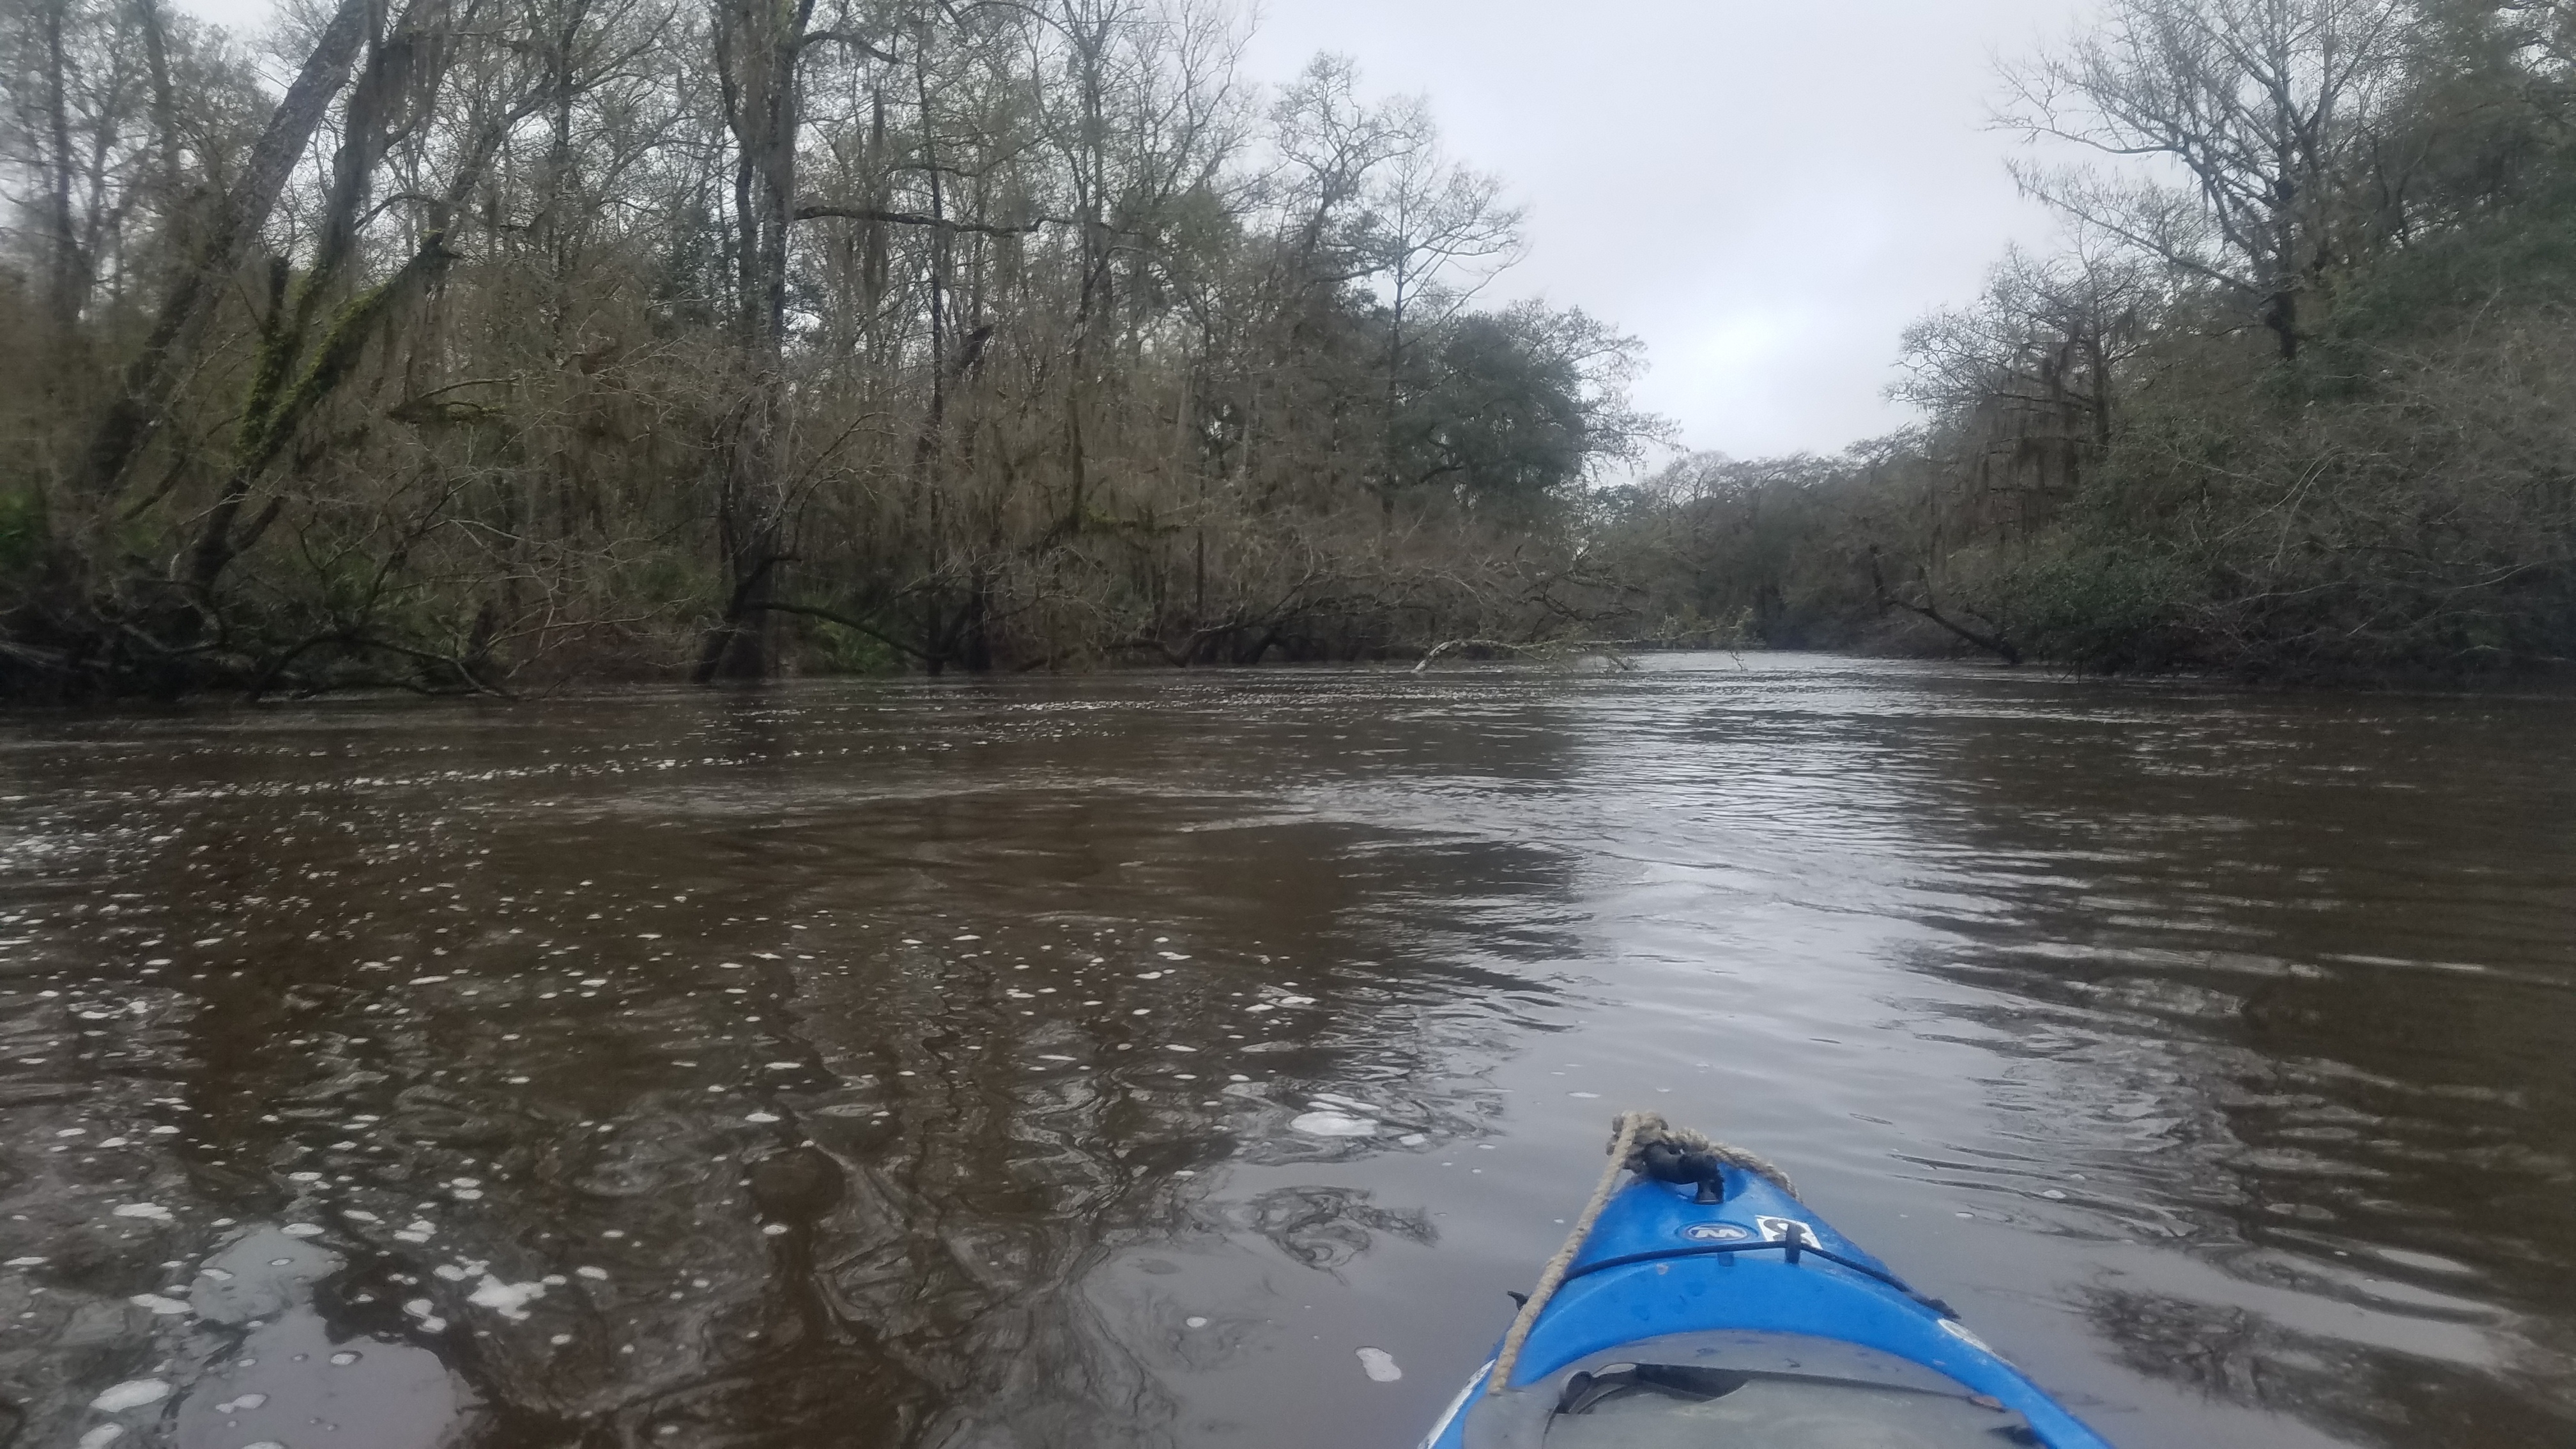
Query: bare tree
point(2258, 115)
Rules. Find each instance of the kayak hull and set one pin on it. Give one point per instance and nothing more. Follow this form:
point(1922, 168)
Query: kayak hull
point(1659, 1266)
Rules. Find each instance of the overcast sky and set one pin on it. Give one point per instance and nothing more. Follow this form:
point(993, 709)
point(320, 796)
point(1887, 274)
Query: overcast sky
point(1766, 191)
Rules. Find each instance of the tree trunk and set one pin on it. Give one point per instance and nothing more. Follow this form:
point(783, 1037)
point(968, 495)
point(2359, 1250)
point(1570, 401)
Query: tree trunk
point(238, 218)
point(64, 271)
point(757, 47)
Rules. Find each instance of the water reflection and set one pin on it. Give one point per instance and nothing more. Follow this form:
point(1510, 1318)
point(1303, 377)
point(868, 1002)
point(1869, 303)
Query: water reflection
point(1104, 1061)
point(714, 1073)
point(2242, 928)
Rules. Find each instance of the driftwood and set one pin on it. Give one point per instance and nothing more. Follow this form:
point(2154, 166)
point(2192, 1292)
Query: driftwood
point(1614, 652)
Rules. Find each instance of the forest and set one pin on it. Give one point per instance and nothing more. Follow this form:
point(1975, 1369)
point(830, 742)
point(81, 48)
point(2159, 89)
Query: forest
point(491, 344)
point(2291, 403)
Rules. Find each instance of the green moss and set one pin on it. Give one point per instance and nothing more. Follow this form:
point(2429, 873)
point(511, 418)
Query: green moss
point(26, 533)
point(275, 359)
point(271, 411)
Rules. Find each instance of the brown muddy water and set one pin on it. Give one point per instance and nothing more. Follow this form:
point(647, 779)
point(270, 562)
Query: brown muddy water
point(1108, 1061)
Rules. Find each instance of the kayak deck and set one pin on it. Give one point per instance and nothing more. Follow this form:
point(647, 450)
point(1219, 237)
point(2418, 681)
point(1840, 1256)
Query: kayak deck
point(1752, 1321)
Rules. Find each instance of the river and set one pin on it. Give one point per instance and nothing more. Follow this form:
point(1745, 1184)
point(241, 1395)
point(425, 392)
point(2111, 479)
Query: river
point(1107, 1061)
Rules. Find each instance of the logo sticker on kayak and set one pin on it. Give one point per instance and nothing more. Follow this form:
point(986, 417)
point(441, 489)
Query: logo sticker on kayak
point(1716, 1233)
point(1787, 1230)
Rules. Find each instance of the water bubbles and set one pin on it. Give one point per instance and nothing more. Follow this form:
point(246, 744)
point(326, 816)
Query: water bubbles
point(1379, 1365)
point(510, 1300)
point(1332, 1124)
point(149, 1212)
point(420, 1310)
point(130, 1394)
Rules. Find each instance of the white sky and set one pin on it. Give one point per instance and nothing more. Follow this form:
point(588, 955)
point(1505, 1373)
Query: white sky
point(1766, 191)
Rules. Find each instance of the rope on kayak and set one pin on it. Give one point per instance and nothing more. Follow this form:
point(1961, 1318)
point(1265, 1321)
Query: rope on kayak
point(1645, 1144)
point(1622, 1143)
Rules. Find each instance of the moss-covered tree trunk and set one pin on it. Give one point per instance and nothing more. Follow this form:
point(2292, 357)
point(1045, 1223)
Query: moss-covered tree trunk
point(169, 349)
point(758, 43)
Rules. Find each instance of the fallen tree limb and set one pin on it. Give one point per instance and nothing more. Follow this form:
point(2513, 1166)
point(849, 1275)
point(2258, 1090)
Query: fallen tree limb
point(1994, 644)
point(832, 616)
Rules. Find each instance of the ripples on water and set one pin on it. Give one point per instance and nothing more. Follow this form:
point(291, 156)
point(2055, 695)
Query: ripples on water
point(1196, 1059)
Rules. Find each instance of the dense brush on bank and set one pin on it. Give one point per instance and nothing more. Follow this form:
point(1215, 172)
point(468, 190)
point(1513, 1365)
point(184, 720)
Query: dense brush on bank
point(526, 338)
point(2297, 402)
